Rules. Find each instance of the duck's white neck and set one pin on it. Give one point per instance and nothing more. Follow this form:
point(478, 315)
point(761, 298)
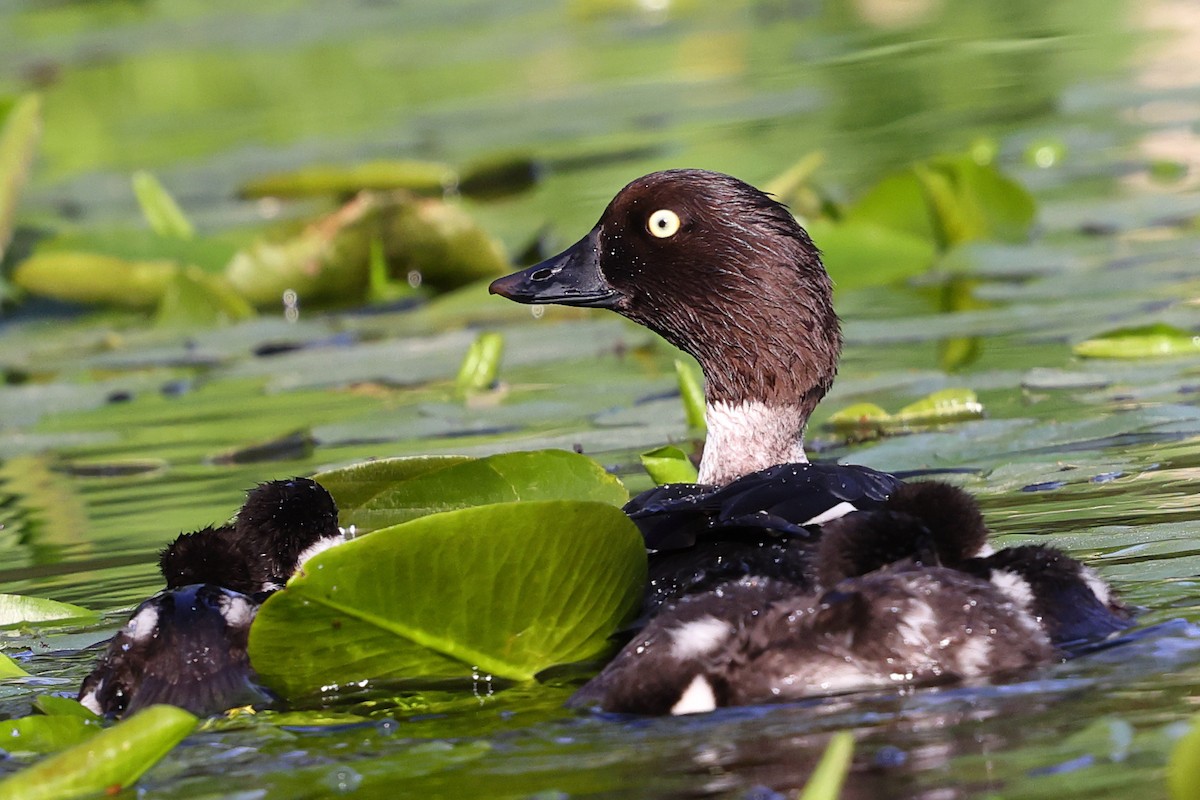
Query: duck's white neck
point(749, 436)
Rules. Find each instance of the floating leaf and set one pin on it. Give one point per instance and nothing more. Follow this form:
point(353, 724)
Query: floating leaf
point(105, 763)
point(508, 589)
point(93, 278)
point(858, 416)
point(669, 464)
point(499, 176)
point(41, 734)
point(481, 365)
point(18, 142)
point(417, 176)
point(376, 494)
point(1148, 341)
point(442, 243)
point(1183, 769)
point(53, 705)
point(826, 781)
point(162, 213)
point(946, 405)
point(10, 668)
point(16, 609)
point(691, 391)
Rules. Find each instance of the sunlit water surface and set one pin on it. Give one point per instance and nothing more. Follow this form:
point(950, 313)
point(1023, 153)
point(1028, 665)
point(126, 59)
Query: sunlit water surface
point(115, 436)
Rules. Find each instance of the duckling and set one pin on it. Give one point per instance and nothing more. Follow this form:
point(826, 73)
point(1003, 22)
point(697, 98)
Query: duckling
point(186, 645)
point(914, 597)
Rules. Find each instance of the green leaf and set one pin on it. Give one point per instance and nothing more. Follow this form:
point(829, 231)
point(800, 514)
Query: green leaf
point(669, 464)
point(161, 211)
point(946, 405)
point(94, 278)
point(107, 762)
point(417, 176)
point(1148, 341)
point(55, 706)
point(691, 391)
point(16, 609)
point(481, 366)
point(826, 781)
point(10, 668)
point(194, 298)
point(376, 494)
point(1183, 768)
point(18, 143)
point(41, 734)
point(861, 253)
point(508, 590)
point(858, 416)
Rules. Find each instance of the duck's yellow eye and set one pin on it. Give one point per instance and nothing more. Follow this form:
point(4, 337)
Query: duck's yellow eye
point(663, 223)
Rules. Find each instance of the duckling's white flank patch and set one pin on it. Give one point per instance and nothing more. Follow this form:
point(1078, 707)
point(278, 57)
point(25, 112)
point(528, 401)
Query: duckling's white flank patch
point(840, 510)
point(1097, 585)
point(917, 620)
point(747, 437)
point(89, 700)
point(320, 545)
point(697, 698)
point(974, 657)
point(237, 611)
point(143, 624)
point(699, 637)
point(1014, 587)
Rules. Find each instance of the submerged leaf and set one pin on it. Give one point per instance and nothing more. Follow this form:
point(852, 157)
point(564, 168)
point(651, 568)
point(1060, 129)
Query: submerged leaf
point(1183, 769)
point(826, 780)
point(18, 142)
point(669, 464)
point(16, 609)
point(376, 494)
point(162, 213)
point(508, 590)
point(107, 762)
point(1149, 341)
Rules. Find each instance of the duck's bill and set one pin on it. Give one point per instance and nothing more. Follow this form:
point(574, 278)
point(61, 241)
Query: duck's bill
point(571, 278)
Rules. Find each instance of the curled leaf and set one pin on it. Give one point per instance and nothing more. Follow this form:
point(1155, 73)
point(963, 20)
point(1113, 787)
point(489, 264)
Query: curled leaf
point(424, 177)
point(669, 464)
point(826, 781)
point(18, 143)
point(946, 405)
point(481, 365)
point(1148, 341)
point(691, 391)
point(16, 609)
point(162, 213)
point(92, 278)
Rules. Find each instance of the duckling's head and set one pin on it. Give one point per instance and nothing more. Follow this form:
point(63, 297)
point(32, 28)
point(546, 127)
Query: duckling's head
point(724, 272)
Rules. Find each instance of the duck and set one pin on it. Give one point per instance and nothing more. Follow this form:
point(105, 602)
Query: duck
point(769, 556)
point(187, 645)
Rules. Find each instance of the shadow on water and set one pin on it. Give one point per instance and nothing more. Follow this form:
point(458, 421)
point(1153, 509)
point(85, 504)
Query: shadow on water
point(114, 435)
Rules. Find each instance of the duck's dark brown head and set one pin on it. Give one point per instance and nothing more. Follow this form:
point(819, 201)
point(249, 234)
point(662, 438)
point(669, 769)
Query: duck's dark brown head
point(724, 272)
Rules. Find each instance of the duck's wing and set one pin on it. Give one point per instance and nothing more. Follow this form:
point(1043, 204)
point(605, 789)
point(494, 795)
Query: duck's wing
point(783, 499)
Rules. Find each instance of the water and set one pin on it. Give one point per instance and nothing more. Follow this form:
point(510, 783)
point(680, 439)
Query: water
point(116, 435)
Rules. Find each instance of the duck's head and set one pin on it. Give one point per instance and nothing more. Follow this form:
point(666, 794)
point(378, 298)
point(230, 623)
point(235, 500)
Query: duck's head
point(724, 272)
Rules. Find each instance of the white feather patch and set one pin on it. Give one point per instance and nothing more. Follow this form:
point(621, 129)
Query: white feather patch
point(697, 698)
point(699, 637)
point(1014, 587)
point(143, 624)
point(840, 510)
point(747, 437)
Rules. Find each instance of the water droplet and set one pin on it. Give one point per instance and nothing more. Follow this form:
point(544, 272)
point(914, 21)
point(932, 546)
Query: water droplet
point(342, 780)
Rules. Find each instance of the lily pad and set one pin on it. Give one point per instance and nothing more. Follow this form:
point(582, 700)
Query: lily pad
point(376, 494)
point(10, 668)
point(418, 176)
point(858, 416)
point(946, 405)
point(40, 734)
point(1147, 341)
point(16, 609)
point(77, 277)
point(669, 465)
point(105, 763)
point(54, 705)
point(507, 590)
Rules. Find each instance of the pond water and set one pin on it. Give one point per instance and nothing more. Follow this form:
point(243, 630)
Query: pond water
point(115, 434)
